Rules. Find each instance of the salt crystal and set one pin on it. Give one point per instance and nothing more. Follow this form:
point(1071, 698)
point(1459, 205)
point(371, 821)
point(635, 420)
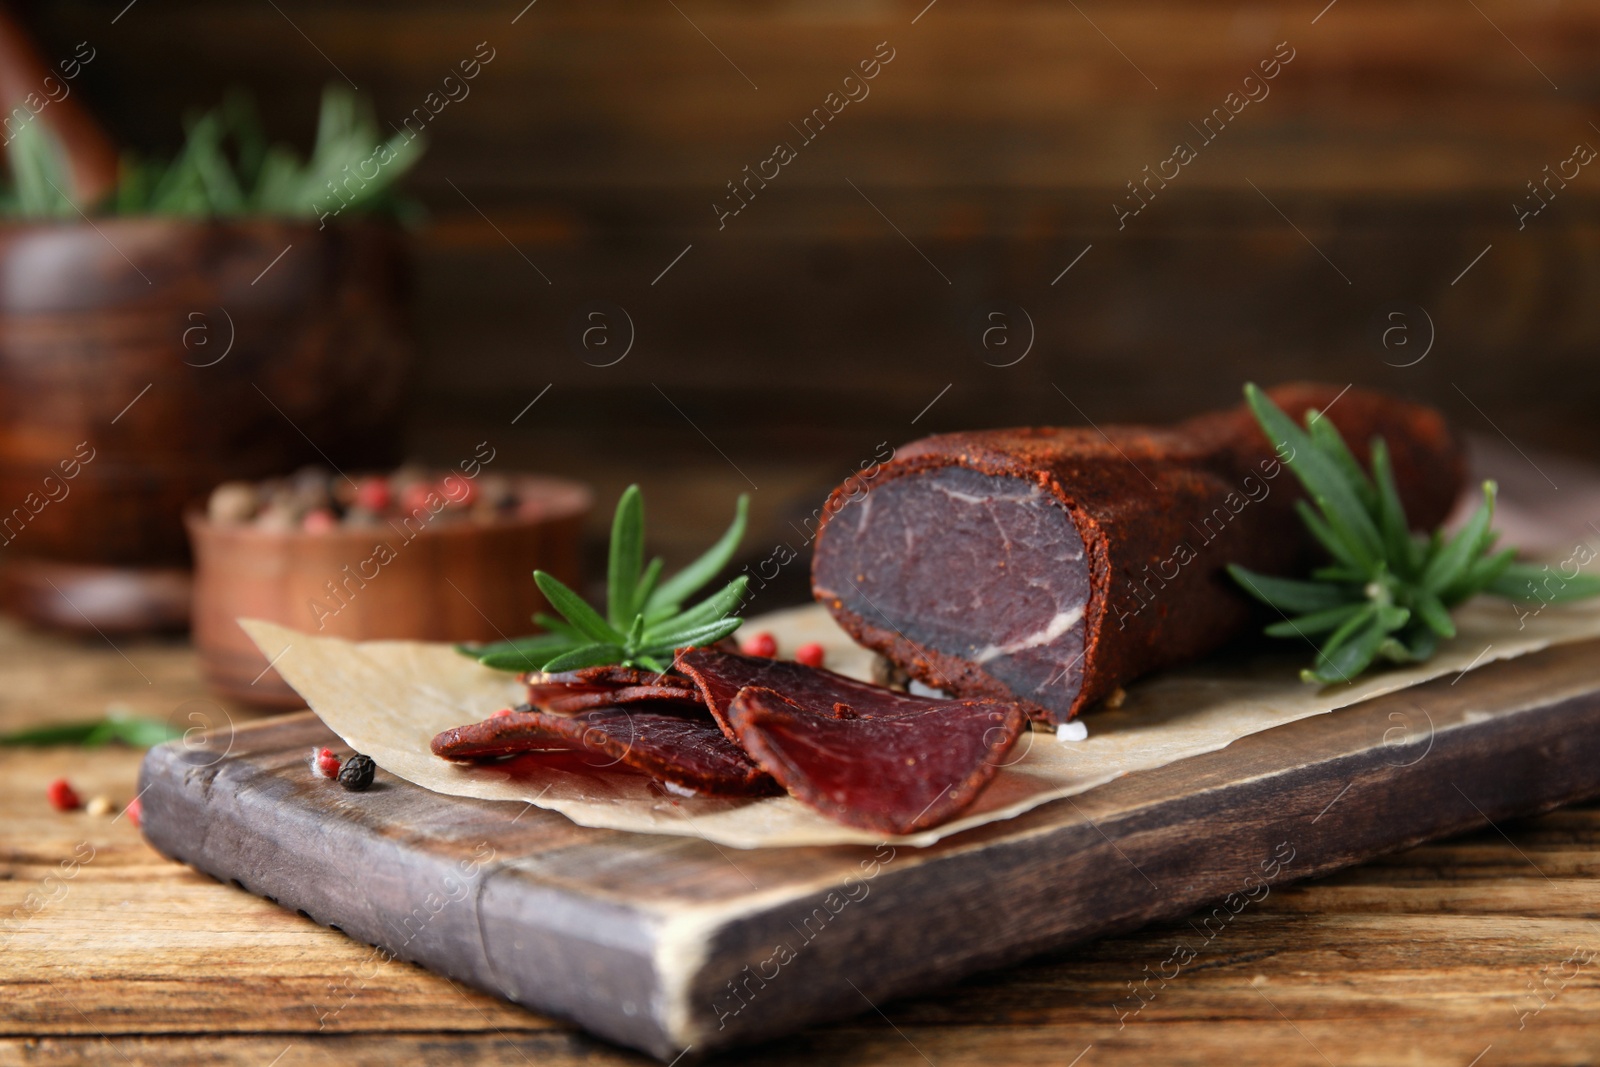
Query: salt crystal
point(1072, 731)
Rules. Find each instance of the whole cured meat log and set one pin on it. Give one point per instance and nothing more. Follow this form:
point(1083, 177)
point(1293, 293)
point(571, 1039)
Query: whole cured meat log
point(1052, 565)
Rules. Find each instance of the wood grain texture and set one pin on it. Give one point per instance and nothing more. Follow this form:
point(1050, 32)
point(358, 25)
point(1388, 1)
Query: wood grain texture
point(1423, 956)
point(669, 943)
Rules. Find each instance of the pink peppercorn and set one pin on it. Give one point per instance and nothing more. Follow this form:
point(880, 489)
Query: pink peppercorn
point(502, 713)
point(62, 797)
point(761, 644)
point(324, 763)
point(373, 494)
point(319, 521)
point(134, 811)
point(414, 498)
point(810, 654)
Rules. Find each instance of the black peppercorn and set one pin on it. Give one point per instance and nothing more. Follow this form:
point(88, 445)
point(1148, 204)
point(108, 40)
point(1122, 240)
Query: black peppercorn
point(356, 774)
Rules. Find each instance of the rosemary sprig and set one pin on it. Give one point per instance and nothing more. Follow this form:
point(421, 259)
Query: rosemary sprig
point(226, 169)
point(1388, 592)
point(645, 621)
point(117, 726)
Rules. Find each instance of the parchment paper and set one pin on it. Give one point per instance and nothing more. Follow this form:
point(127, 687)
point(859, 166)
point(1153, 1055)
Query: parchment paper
point(388, 699)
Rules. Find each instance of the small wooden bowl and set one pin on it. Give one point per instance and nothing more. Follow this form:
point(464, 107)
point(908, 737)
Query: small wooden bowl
point(456, 581)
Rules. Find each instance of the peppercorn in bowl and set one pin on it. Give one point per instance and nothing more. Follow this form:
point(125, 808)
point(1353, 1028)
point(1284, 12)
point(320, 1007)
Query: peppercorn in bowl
point(416, 554)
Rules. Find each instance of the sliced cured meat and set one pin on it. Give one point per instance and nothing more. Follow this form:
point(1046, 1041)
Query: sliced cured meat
point(569, 692)
point(894, 772)
point(1053, 565)
point(609, 676)
point(570, 701)
point(720, 676)
point(687, 751)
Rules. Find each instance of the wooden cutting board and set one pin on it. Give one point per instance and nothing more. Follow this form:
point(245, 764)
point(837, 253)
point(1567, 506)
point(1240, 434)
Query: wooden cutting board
point(669, 944)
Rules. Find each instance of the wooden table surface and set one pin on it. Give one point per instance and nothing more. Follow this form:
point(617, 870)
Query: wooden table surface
point(1479, 950)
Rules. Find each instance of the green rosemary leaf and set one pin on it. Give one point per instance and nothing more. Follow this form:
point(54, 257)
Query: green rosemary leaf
point(1478, 577)
point(627, 558)
point(1458, 553)
point(520, 664)
point(1350, 658)
point(691, 579)
point(1331, 541)
point(1349, 629)
point(594, 655)
point(704, 635)
point(1326, 437)
point(38, 167)
point(1401, 551)
point(66, 733)
point(131, 730)
point(559, 626)
point(226, 168)
point(710, 609)
point(1287, 594)
point(1340, 502)
point(1525, 581)
point(522, 653)
point(1392, 617)
point(1421, 642)
point(1431, 610)
point(690, 637)
point(571, 606)
point(1315, 623)
point(1388, 592)
point(643, 628)
point(647, 587)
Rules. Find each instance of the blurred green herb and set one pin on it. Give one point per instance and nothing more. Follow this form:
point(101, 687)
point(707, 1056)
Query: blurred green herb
point(227, 168)
point(645, 621)
point(1388, 593)
point(128, 729)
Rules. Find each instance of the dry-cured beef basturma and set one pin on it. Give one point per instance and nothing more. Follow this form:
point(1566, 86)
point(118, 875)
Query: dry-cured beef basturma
point(686, 750)
point(720, 676)
point(861, 754)
point(570, 692)
point(894, 773)
point(1053, 565)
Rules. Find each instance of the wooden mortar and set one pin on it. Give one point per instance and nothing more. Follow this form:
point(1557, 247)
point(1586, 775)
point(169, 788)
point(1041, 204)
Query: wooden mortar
point(180, 354)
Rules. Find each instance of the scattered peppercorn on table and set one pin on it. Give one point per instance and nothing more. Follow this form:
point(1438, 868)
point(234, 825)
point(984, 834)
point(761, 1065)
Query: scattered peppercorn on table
point(113, 954)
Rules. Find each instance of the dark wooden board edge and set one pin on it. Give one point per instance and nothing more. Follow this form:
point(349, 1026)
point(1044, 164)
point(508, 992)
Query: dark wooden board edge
point(1289, 803)
point(1398, 770)
point(434, 897)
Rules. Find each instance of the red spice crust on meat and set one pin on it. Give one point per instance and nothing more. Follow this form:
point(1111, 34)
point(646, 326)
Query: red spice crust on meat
point(1132, 493)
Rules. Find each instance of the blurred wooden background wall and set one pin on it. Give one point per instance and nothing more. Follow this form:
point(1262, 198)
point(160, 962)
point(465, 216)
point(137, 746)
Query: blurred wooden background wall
point(988, 156)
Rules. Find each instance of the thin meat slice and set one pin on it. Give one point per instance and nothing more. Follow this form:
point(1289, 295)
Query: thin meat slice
point(609, 675)
point(893, 773)
point(569, 692)
point(571, 701)
point(720, 676)
point(686, 751)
